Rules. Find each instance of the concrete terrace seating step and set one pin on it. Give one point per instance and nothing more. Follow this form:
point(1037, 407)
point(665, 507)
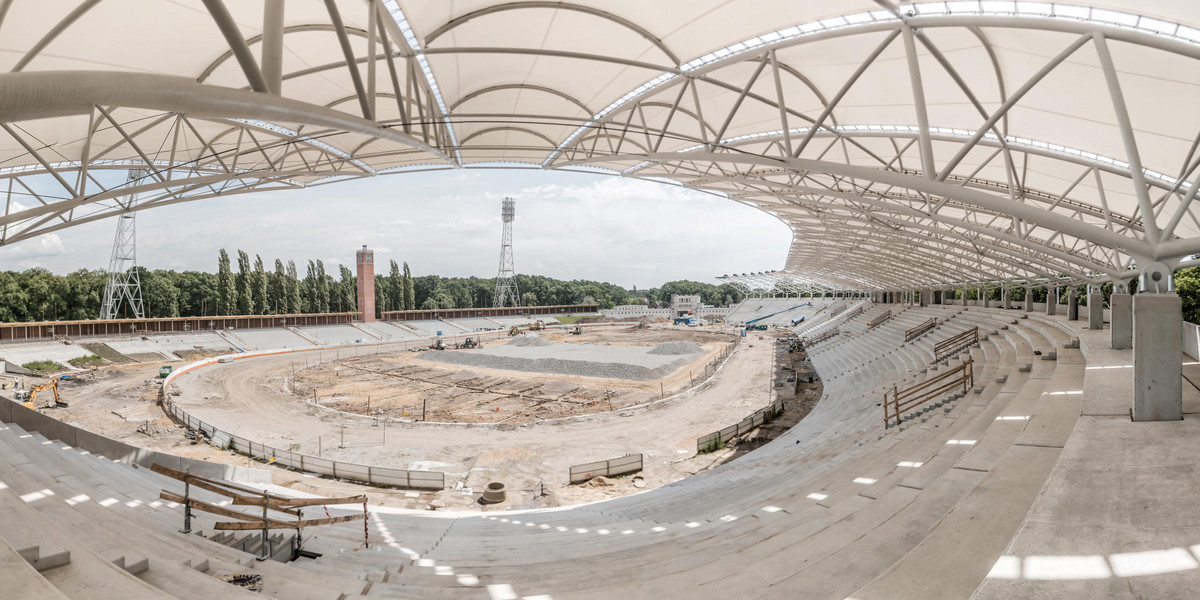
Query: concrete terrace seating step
point(834, 507)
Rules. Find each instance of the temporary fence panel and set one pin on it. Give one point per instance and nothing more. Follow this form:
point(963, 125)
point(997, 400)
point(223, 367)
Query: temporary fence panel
point(630, 463)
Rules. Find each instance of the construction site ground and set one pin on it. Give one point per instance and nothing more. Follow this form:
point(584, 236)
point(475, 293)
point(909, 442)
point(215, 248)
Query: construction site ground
point(402, 386)
point(253, 398)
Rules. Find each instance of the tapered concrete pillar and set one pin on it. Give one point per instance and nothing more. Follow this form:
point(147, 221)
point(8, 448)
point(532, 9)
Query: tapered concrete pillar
point(1052, 301)
point(925, 297)
point(1095, 309)
point(1028, 299)
point(1072, 305)
point(1157, 368)
point(1121, 323)
point(1004, 298)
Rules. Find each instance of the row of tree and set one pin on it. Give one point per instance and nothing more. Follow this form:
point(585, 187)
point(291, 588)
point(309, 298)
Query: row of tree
point(252, 289)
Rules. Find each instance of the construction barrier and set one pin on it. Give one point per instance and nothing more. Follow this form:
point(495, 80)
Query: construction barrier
point(756, 419)
point(630, 463)
point(399, 478)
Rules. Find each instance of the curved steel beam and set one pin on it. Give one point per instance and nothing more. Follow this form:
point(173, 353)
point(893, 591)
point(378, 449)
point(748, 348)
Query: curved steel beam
point(522, 86)
point(630, 25)
point(476, 134)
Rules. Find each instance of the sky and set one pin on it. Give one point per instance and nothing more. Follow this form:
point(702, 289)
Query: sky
point(568, 226)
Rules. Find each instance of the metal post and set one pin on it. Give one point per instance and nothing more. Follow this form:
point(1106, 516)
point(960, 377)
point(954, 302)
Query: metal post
point(266, 534)
point(187, 507)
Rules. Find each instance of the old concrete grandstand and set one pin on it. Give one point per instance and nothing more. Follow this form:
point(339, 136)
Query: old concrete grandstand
point(970, 378)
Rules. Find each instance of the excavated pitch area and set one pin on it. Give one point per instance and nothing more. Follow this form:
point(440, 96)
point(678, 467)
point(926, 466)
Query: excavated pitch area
point(609, 362)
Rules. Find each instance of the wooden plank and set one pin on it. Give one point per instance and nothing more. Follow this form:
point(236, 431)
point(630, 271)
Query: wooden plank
point(228, 526)
point(218, 510)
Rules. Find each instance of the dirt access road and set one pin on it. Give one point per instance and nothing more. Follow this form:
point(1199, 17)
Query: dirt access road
point(250, 398)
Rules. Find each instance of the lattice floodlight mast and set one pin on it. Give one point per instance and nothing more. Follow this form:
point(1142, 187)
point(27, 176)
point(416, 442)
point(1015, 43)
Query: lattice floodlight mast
point(506, 284)
point(123, 284)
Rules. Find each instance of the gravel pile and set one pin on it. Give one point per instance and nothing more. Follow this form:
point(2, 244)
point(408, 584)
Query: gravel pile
point(528, 341)
point(609, 362)
point(677, 348)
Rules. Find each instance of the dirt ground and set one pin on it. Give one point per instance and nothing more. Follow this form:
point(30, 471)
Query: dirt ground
point(400, 386)
point(253, 398)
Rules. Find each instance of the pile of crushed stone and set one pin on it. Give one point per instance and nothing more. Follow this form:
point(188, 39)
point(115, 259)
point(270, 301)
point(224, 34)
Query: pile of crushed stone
point(525, 341)
point(677, 348)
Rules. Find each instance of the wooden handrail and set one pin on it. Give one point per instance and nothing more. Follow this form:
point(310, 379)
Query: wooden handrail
point(917, 331)
point(829, 333)
point(879, 319)
point(955, 343)
point(855, 313)
point(839, 310)
point(897, 401)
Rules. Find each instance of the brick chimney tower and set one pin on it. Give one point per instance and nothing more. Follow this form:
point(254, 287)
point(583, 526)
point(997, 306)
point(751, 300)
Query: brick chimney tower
point(365, 259)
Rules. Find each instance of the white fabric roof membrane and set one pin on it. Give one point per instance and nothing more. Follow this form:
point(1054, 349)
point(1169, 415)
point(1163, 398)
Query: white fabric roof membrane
point(909, 145)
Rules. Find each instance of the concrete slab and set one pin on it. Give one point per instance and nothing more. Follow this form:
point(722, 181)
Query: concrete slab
point(1115, 520)
point(964, 545)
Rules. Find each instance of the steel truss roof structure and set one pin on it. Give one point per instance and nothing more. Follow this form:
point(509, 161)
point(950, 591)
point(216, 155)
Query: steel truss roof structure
point(911, 145)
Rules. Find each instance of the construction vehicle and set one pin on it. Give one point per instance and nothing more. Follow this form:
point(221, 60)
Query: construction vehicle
point(514, 330)
point(28, 398)
point(577, 331)
point(438, 345)
point(467, 344)
point(538, 325)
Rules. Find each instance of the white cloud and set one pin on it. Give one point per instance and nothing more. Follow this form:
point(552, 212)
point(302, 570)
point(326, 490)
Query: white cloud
point(568, 225)
point(36, 252)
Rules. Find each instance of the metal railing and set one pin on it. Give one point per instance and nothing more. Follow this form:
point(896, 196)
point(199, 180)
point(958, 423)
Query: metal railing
point(839, 310)
point(897, 402)
point(920, 330)
point(855, 313)
point(952, 345)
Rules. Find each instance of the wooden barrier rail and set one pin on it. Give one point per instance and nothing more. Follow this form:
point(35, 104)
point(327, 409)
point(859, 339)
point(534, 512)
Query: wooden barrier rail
point(879, 319)
point(897, 402)
point(820, 337)
point(839, 310)
point(952, 345)
point(244, 496)
point(920, 330)
point(855, 313)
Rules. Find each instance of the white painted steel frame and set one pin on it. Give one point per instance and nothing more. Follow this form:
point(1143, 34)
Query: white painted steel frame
point(935, 224)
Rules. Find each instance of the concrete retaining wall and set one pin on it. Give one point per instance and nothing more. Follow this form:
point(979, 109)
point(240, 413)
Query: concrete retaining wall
point(51, 428)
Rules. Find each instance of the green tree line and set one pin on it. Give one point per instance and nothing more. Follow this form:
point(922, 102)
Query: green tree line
point(247, 287)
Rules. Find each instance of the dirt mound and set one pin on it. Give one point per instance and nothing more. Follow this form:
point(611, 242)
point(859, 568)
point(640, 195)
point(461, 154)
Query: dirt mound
point(677, 348)
point(525, 341)
point(598, 482)
point(463, 375)
point(559, 386)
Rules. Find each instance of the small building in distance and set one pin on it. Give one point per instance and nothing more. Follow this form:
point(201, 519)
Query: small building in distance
point(682, 306)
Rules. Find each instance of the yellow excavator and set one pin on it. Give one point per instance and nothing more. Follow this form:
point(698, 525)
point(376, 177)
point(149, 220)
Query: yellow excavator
point(28, 398)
